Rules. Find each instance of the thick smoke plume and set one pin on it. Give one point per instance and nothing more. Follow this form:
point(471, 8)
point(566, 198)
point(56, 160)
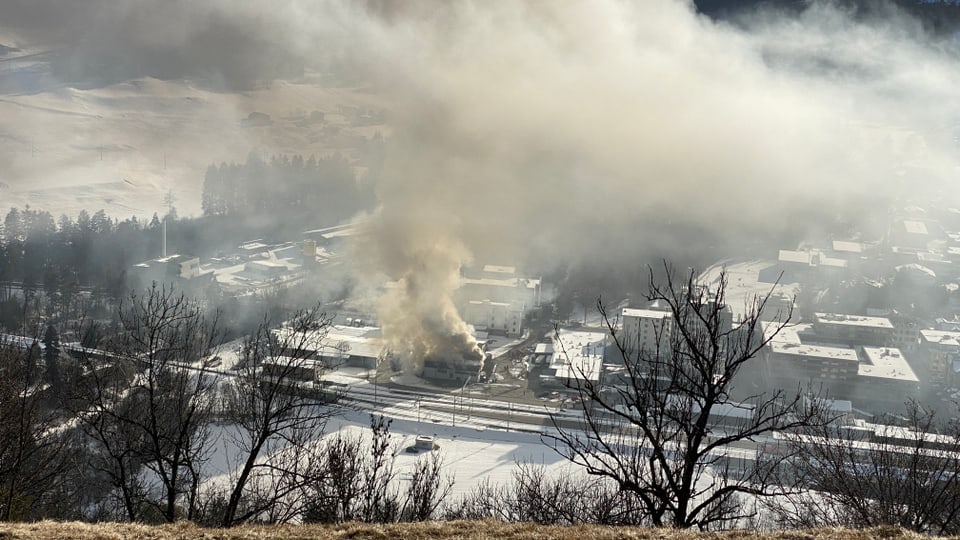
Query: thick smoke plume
point(419, 318)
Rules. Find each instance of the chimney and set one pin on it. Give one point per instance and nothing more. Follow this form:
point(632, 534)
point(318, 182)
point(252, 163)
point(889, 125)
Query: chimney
point(164, 236)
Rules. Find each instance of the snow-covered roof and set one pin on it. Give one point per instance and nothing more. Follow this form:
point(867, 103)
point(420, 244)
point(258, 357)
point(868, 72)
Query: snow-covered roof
point(578, 355)
point(645, 313)
point(788, 342)
point(495, 269)
point(940, 337)
point(886, 363)
point(810, 258)
point(845, 246)
point(915, 227)
point(863, 321)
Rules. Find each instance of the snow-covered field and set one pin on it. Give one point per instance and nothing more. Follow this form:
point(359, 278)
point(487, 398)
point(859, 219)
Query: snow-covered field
point(471, 452)
point(122, 147)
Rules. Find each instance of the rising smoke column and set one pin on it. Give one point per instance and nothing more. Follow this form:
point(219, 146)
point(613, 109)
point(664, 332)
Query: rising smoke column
point(417, 312)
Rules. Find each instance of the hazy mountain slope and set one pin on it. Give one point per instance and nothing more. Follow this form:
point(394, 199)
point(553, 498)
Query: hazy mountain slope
point(940, 16)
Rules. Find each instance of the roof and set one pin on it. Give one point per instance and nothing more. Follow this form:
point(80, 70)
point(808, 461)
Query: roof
point(543, 348)
point(175, 258)
point(914, 227)
point(824, 352)
point(788, 342)
point(886, 363)
point(342, 341)
point(514, 282)
point(266, 263)
point(847, 247)
point(940, 337)
point(861, 321)
point(835, 405)
point(578, 355)
point(645, 313)
point(490, 303)
point(811, 258)
point(494, 269)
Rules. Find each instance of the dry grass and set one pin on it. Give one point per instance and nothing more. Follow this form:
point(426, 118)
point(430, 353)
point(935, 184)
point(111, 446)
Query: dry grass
point(415, 531)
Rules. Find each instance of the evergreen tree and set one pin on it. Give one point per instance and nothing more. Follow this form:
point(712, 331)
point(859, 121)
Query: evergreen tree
point(51, 357)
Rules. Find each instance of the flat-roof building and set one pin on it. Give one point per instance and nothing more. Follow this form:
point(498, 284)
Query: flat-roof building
point(339, 346)
point(497, 299)
point(874, 377)
point(941, 354)
point(577, 357)
point(646, 331)
point(853, 329)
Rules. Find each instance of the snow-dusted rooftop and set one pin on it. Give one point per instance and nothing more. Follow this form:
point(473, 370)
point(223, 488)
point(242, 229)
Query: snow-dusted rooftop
point(645, 313)
point(941, 337)
point(338, 341)
point(811, 258)
point(844, 246)
point(914, 227)
point(788, 342)
point(514, 282)
point(495, 269)
point(578, 355)
point(853, 320)
point(886, 363)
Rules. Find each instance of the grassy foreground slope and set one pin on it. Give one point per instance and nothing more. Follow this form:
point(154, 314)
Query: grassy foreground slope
point(416, 531)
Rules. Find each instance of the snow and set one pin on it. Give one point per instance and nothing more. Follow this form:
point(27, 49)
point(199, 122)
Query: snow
point(122, 147)
point(471, 454)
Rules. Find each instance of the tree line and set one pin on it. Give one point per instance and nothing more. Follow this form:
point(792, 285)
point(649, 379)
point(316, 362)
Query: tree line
point(291, 188)
point(127, 428)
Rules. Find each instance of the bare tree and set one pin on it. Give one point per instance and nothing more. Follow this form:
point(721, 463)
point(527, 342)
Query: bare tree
point(428, 488)
point(32, 448)
point(147, 404)
point(536, 496)
point(655, 430)
point(905, 475)
point(277, 412)
point(359, 482)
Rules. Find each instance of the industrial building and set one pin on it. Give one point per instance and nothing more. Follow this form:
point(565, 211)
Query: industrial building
point(854, 329)
point(180, 271)
point(339, 346)
point(496, 299)
point(455, 371)
point(575, 357)
point(940, 350)
point(872, 377)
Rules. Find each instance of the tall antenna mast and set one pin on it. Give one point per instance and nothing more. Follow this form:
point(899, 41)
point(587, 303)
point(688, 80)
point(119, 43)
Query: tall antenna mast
point(164, 236)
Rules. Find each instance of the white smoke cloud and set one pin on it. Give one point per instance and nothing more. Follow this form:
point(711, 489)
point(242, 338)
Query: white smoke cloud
point(553, 133)
point(556, 134)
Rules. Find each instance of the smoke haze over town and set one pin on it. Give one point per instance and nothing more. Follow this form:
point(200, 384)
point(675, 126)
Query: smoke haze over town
point(558, 136)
